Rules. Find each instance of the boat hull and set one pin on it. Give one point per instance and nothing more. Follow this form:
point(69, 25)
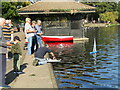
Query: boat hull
point(57, 38)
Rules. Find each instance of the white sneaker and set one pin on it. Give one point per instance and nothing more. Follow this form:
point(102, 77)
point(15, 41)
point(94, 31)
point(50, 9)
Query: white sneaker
point(15, 72)
point(20, 72)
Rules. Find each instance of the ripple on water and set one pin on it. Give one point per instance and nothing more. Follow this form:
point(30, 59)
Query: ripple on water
point(75, 65)
point(81, 69)
point(59, 71)
point(60, 75)
point(78, 83)
point(96, 86)
point(70, 69)
point(85, 78)
point(67, 85)
point(107, 83)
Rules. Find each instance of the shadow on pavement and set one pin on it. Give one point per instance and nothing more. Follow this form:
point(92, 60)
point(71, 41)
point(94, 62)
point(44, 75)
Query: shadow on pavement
point(11, 76)
point(24, 66)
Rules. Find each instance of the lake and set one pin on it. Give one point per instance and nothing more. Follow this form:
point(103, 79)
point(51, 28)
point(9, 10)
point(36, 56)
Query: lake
point(80, 69)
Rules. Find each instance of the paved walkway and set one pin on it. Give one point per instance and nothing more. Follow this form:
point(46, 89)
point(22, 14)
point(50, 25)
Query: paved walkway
point(34, 77)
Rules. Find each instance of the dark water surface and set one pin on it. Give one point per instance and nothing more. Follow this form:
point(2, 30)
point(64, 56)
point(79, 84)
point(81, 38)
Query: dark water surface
point(79, 69)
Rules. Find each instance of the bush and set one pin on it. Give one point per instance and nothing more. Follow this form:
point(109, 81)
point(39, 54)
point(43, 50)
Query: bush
point(109, 16)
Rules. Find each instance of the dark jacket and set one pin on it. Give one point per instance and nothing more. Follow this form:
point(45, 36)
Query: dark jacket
point(41, 52)
point(16, 49)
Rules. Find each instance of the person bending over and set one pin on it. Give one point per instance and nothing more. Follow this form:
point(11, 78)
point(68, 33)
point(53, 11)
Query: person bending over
point(39, 55)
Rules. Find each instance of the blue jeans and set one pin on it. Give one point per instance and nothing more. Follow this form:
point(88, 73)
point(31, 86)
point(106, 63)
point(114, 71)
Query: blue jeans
point(29, 45)
point(39, 40)
point(41, 61)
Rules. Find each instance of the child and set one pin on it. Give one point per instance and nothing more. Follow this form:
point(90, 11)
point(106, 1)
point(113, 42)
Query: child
point(16, 51)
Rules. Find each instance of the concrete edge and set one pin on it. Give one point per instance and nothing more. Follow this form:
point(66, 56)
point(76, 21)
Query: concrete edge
point(52, 76)
point(80, 39)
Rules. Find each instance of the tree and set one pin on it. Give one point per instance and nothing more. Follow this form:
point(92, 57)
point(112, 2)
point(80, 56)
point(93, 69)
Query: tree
point(109, 16)
point(9, 9)
point(0, 8)
point(103, 7)
point(119, 11)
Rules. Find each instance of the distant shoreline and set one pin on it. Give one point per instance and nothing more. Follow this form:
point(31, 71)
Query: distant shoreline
point(99, 25)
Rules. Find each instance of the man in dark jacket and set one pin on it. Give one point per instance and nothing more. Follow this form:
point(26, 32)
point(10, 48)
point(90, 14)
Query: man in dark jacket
point(40, 55)
point(3, 50)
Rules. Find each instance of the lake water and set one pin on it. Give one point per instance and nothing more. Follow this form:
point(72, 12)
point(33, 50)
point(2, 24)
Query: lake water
point(79, 69)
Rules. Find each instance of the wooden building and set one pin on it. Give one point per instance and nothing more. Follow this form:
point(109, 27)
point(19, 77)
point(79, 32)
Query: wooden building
point(63, 14)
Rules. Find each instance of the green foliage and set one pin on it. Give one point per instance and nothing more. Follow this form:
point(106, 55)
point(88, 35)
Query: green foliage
point(9, 9)
point(119, 11)
point(108, 11)
point(0, 8)
point(109, 16)
point(102, 7)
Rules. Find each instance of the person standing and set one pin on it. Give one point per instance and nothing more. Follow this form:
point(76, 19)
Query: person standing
point(8, 35)
point(17, 53)
point(7, 31)
point(39, 32)
point(12, 29)
point(29, 31)
point(35, 43)
point(3, 50)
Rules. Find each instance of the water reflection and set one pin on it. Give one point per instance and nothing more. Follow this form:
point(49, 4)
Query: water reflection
point(79, 69)
point(60, 44)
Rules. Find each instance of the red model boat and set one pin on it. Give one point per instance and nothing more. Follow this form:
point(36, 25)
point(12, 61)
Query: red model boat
point(57, 38)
